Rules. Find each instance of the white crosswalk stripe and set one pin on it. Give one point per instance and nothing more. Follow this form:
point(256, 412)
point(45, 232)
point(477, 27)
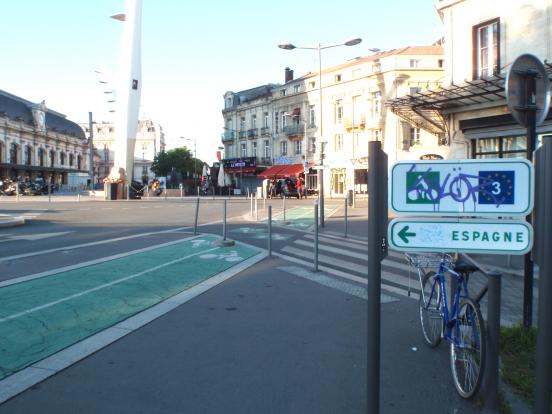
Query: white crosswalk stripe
point(31, 215)
point(348, 259)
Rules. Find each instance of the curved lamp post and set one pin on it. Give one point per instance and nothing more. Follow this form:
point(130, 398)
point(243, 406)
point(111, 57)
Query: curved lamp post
point(321, 141)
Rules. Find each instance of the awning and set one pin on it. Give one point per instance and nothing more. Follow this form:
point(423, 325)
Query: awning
point(282, 171)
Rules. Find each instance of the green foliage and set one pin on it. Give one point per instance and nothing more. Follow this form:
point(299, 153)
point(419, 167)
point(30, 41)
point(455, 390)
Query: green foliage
point(180, 159)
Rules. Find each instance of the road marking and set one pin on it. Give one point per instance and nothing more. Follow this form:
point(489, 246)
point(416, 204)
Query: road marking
point(94, 289)
point(345, 287)
point(332, 249)
point(340, 242)
point(107, 208)
point(33, 237)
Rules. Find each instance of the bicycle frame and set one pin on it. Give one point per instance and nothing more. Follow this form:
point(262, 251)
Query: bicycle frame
point(449, 316)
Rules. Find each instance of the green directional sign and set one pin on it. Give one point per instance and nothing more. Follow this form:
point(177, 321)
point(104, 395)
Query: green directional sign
point(460, 235)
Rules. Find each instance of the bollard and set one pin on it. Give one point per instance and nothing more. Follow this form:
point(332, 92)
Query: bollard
point(49, 193)
point(251, 206)
point(165, 191)
point(78, 196)
point(181, 192)
point(493, 341)
point(256, 209)
point(224, 222)
point(269, 231)
point(284, 203)
point(316, 237)
point(196, 216)
point(147, 192)
point(264, 203)
point(345, 217)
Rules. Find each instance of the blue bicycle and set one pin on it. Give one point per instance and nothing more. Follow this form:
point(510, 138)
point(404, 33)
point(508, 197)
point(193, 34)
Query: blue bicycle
point(461, 324)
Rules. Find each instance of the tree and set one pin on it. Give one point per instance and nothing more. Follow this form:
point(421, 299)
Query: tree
point(180, 159)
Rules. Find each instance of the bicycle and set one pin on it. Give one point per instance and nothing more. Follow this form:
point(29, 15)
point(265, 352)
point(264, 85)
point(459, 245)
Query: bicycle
point(461, 324)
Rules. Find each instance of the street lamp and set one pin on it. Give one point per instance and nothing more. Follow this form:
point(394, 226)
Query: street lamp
point(195, 158)
point(321, 141)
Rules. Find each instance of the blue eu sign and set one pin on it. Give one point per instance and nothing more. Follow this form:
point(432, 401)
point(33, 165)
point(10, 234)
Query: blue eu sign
point(496, 187)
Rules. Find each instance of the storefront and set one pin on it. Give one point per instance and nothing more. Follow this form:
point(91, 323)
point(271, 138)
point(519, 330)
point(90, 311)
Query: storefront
point(243, 173)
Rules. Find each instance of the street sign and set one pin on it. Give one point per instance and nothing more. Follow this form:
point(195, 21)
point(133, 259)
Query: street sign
point(521, 96)
point(462, 188)
point(461, 235)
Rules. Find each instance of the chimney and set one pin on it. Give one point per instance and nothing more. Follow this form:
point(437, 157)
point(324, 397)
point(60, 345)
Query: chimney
point(289, 75)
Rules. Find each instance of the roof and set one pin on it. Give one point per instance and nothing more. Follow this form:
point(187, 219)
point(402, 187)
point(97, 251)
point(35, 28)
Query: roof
point(18, 108)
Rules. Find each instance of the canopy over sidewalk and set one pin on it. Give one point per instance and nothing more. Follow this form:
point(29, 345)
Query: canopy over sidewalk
point(282, 171)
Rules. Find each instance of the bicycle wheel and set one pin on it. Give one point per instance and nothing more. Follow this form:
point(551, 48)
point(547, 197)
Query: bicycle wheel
point(467, 349)
point(431, 310)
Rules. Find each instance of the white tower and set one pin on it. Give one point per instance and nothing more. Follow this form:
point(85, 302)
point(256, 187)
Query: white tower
point(128, 91)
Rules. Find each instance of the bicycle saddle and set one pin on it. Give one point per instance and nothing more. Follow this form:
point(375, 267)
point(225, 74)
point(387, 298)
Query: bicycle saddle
point(462, 266)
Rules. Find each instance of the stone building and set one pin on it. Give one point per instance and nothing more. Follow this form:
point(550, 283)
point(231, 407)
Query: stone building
point(482, 40)
point(150, 140)
point(36, 141)
point(277, 124)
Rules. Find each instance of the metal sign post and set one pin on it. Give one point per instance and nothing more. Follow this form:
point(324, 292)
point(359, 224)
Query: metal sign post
point(377, 168)
point(527, 90)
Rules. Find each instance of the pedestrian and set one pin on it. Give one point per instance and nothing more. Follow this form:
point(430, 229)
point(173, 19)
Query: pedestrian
point(299, 187)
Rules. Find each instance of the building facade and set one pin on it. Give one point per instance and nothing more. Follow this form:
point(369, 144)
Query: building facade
point(481, 42)
point(36, 141)
point(150, 140)
point(278, 123)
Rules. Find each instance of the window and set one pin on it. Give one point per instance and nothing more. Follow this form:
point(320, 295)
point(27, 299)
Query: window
point(267, 148)
point(106, 153)
point(338, 141)
point(499, 147)
point(414, 136)
point(414, 90)
point(228, 102)
point(297, 88)
point(298, 147)
point(265, 122)
point(376, 135)
point(376, 104)
point(283, 148)
point(242, 123)
point(283, 92)
point(62, 158)
point(28, 151)
point(79, 162)
point(41, 157)
point(415, 63)
point(284, 119)
point(276, 122)
point(441, 63)
point(338, 78)
point(52, 158)
point(338, 111)
point(13, 153)
point(254, 149)
point(486, 49)
point(244, 150)
point(71, 160)
point(312, 85)
point(253, 121)
point(312, 115)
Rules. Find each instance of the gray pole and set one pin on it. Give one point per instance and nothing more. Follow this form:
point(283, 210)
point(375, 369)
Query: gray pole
point(91, 152)
point(269, 231)
point(17, 190)
point(49, 190)
point(493, 341)
point(196, 216)
point(543, 375)
point(224, 222)
point(374, 276)
point(128, 192)
point(320, 171)
point(316, 237)
point(345, 217)
point(284, 202)
point(256, 209)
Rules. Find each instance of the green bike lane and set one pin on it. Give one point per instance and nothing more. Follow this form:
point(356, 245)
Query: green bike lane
point(42, 316)
point(300, 218)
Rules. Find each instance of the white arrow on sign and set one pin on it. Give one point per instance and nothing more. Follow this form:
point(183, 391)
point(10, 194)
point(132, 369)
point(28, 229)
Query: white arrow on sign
point(32, 237)
point(460, 235)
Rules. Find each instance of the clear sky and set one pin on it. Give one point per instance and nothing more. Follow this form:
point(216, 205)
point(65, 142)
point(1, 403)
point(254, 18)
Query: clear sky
point(192, 51)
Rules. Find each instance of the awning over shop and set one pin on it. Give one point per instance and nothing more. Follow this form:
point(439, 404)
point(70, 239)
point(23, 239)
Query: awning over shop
point(282, 171)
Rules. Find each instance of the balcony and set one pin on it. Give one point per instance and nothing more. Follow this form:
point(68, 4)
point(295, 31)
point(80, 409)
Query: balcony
point(252, 133)
point(265, 131)
point(359, 123)
point(242, 134)
point(227, 136)
point(266, 161)
point(294, 129)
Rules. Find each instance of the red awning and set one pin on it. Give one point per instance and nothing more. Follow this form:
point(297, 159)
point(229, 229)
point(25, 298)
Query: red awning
point(282, 171)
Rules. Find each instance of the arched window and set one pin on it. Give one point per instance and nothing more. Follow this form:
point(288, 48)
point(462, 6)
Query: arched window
point(41, 157)
point(13, 153)
point(52, 157)
point(71, 160)
point(28, 152)
point(62, 158)
point(79, 162)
